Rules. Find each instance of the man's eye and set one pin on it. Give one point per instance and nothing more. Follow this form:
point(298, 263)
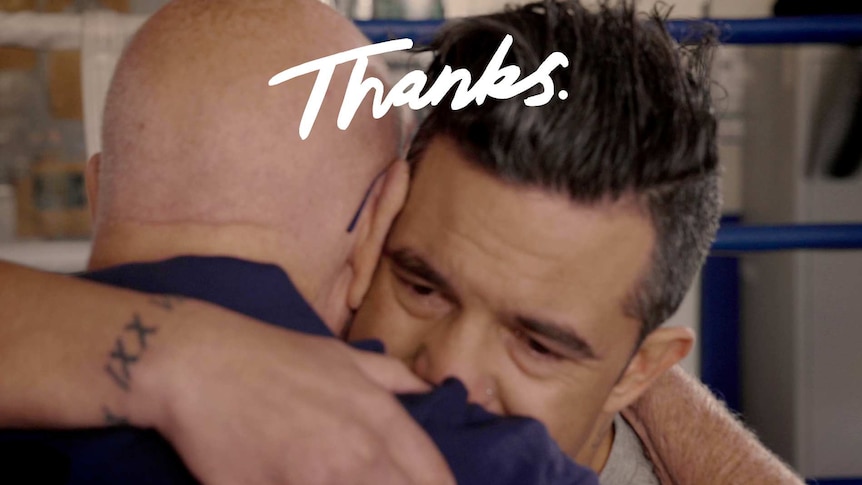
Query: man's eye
point(534, 346)
point(538, 347)
point(420, 290)
point(421, 300)
point(416, 289)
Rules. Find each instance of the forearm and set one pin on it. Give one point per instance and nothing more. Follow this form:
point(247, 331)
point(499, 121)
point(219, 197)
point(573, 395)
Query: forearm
point(75, 353)
point(700, 441)
point(236, 398)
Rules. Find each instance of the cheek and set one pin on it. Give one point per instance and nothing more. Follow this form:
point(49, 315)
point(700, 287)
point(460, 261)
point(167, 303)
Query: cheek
point(381, 317)
point(567, 407)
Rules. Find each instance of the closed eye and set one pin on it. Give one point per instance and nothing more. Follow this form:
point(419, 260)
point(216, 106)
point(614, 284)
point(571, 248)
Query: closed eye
point(419, 289)
point(534, 346)
point(418, 297)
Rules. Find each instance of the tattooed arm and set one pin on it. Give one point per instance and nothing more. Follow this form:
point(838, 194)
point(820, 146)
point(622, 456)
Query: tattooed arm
point(67, 357)
point(80, 354)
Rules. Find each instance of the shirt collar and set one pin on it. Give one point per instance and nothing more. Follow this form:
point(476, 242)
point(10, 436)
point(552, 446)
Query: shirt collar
point(261, 291)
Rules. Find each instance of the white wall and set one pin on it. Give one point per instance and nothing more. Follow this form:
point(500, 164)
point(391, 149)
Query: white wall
point(801, 310)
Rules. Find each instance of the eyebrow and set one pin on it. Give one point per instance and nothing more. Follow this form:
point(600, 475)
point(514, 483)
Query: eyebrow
point(414, 264)
point(409, 261)
point(560, 334)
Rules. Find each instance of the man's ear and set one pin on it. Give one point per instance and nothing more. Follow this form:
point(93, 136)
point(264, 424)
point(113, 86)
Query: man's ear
point(383, 206)
point(660, 351)
point(91, 181)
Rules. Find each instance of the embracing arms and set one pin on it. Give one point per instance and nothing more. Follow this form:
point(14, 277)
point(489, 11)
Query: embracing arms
point(78, 354)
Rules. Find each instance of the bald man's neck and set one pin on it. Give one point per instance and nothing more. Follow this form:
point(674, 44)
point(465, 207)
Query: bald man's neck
point(127, 243)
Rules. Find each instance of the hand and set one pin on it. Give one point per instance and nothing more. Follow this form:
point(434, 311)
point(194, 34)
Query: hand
point(254, 404)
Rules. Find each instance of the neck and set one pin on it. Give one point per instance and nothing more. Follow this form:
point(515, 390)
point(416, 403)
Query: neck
point(603, 451)
point(123, 243)
point(597, 449)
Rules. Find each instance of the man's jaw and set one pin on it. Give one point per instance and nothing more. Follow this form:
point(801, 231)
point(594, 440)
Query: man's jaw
point(596, 450)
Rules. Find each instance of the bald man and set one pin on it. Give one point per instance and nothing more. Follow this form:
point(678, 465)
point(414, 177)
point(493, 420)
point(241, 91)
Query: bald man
point(204, 190)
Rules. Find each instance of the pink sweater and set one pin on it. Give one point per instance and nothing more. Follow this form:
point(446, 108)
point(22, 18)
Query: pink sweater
point(692, 438)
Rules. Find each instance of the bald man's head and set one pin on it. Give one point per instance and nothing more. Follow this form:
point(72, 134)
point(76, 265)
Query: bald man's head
point(194, 137)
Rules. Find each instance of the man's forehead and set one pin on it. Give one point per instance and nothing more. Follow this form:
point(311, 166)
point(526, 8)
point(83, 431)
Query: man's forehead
point(522, 247)
point(449, 189)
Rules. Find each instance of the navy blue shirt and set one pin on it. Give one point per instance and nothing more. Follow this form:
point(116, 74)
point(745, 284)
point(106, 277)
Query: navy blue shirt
point(480, 447)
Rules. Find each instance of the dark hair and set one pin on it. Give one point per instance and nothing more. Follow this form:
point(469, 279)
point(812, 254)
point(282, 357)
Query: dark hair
point(638, 120)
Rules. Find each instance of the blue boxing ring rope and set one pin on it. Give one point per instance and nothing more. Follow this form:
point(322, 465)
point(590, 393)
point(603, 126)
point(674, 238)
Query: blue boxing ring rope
point(733, 238)
point(785, 30)
point(739, 238)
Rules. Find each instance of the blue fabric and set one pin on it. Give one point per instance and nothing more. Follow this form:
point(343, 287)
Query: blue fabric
point(481, 448)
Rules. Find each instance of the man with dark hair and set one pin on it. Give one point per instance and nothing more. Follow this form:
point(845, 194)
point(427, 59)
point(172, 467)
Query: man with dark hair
point(534, 257)
point(541, 248)
point(637, 120)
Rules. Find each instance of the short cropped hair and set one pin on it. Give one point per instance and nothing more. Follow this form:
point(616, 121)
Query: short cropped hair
point(638, 120)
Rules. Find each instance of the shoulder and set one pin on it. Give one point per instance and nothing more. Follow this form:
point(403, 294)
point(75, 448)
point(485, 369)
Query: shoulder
point(627, 463)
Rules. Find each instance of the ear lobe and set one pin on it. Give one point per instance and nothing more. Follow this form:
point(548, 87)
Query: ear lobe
point(91, 181)
point(661, 350)
point(383, 208)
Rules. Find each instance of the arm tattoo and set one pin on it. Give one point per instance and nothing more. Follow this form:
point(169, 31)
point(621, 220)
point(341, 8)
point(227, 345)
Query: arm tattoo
point(142, 331)
point(167, 302)
point(125, 360)
point(120, 359)
point(122, 383)
point(128, 349)
point(112, 419)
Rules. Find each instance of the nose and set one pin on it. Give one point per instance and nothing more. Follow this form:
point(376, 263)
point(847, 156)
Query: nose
point(459, 349)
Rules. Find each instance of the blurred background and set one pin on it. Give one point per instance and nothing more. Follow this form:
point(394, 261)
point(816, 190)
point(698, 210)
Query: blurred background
point(779, 331)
